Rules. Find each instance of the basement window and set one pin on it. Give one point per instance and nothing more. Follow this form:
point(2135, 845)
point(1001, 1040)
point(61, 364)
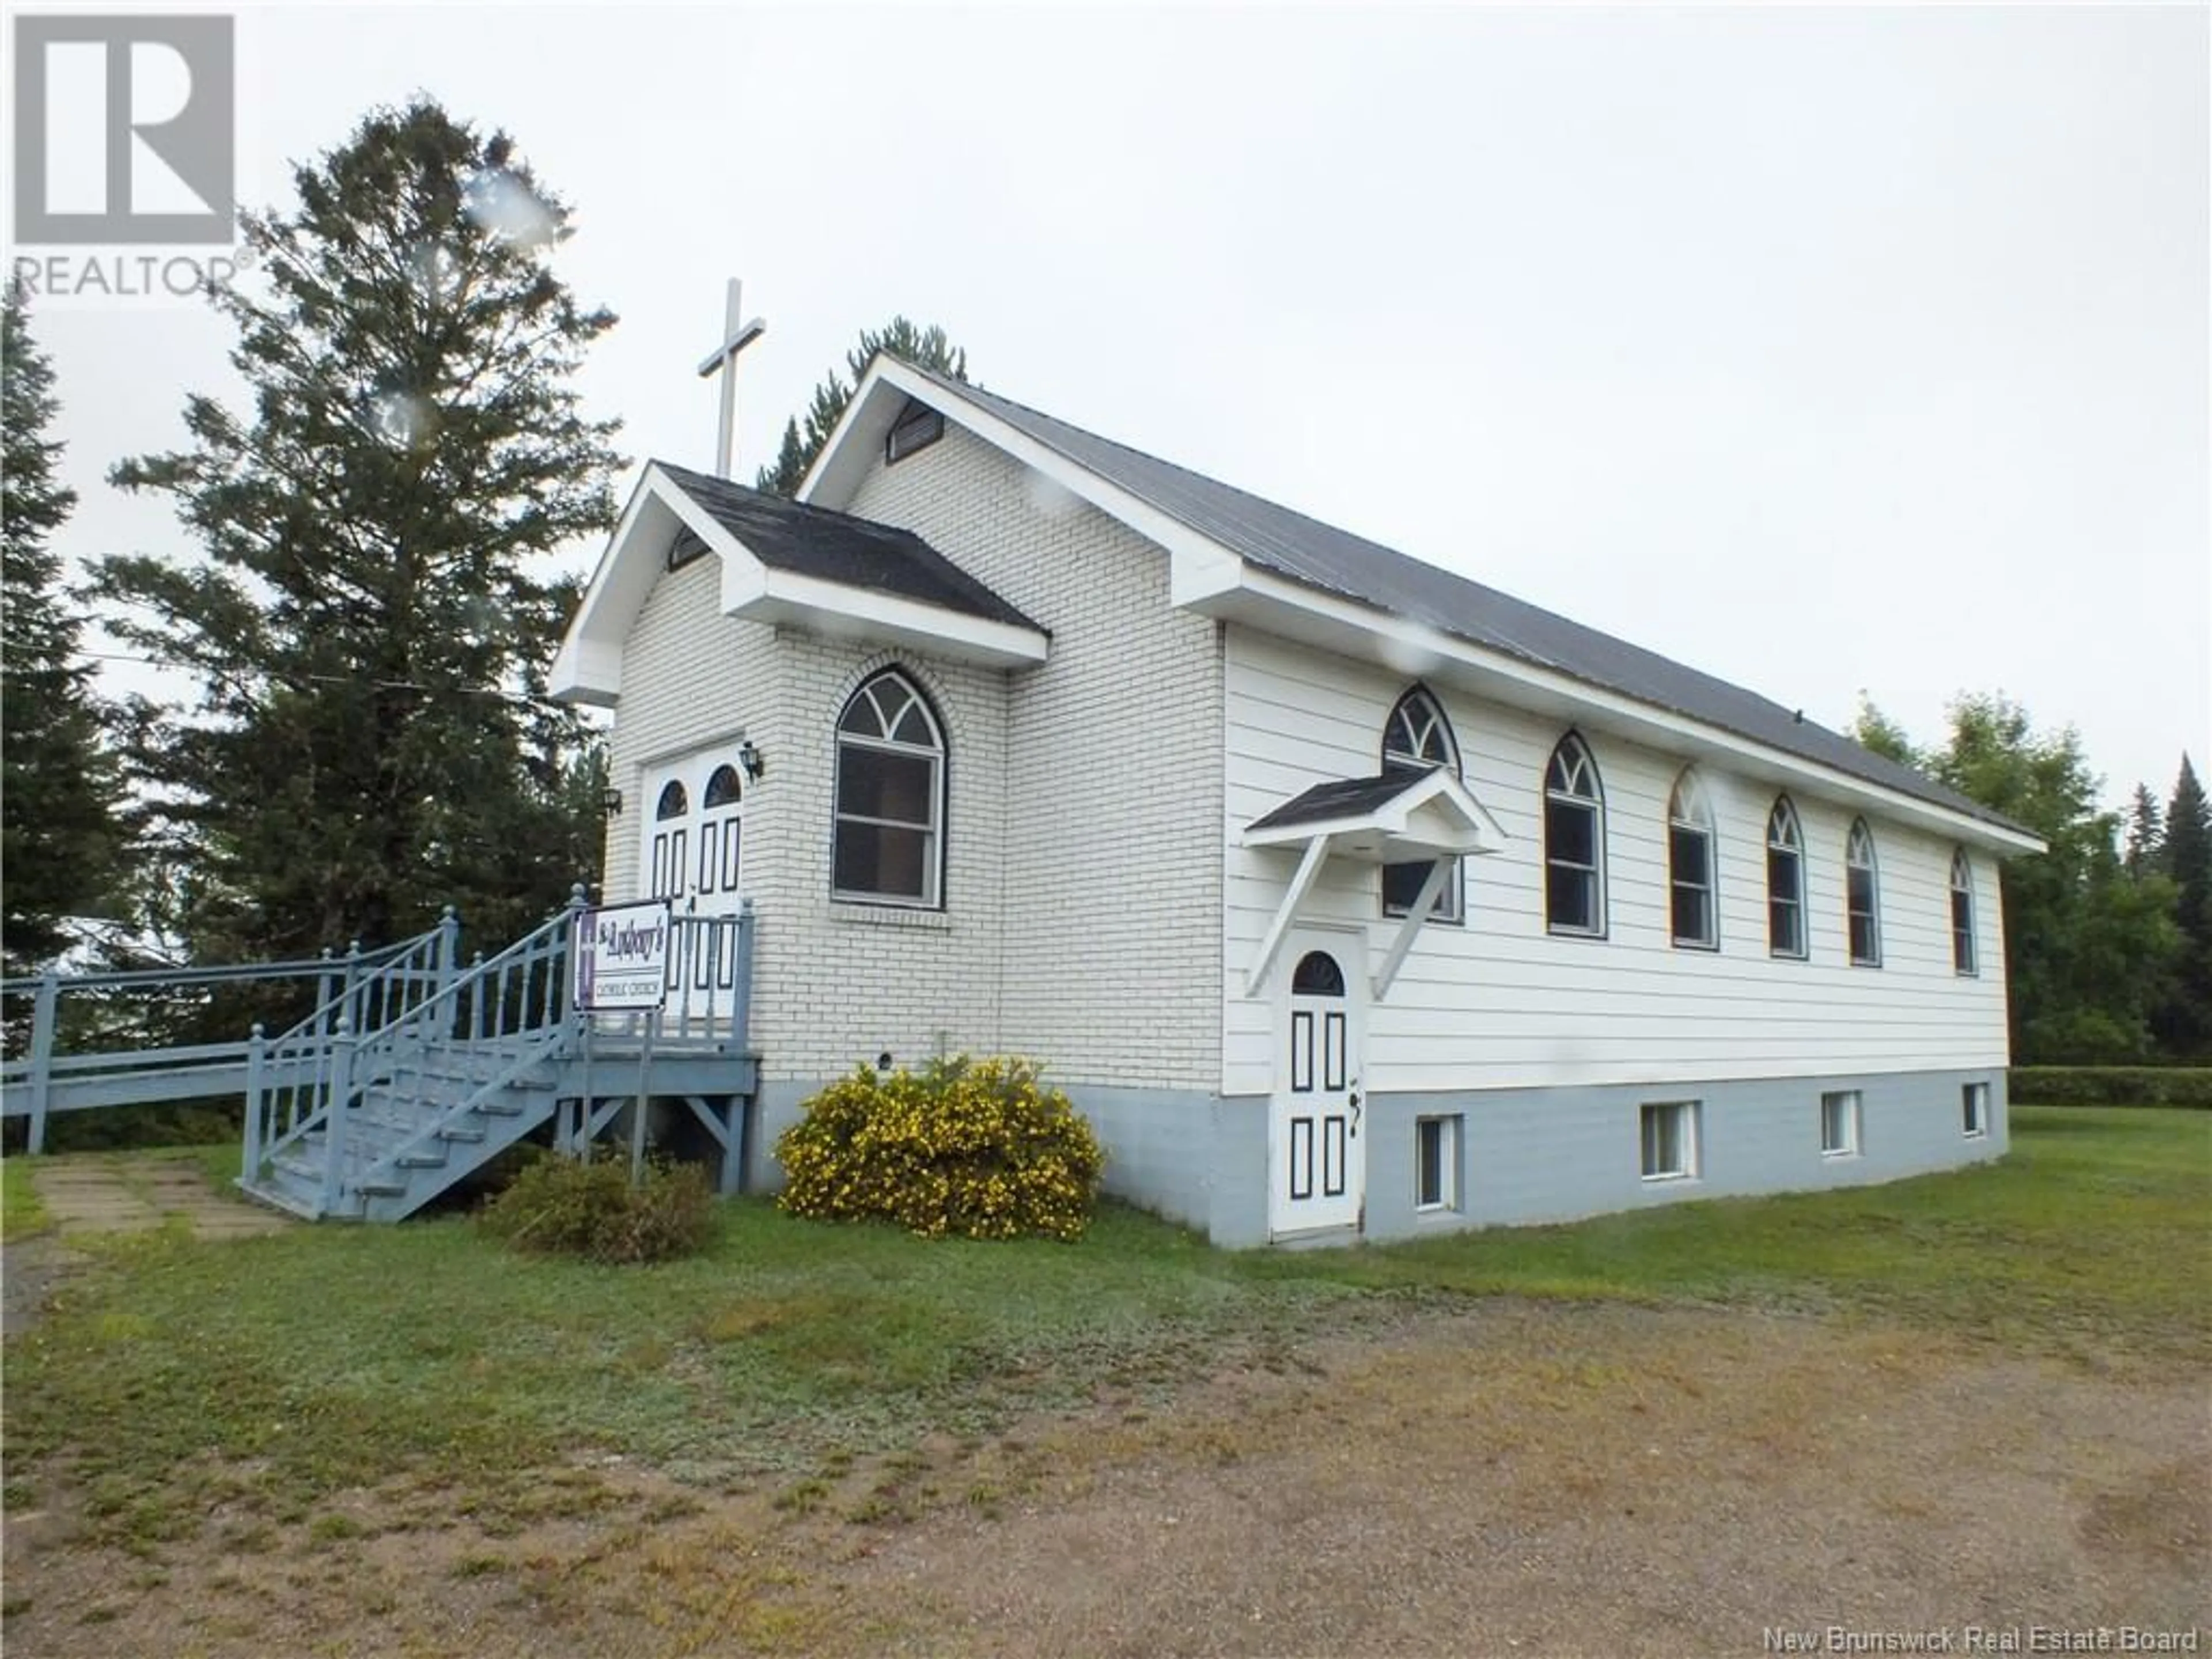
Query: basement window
point(1840, 1124)
point(1670, 1140)
point(917, 427)
point(1436, 1163)
point(1974, 1110)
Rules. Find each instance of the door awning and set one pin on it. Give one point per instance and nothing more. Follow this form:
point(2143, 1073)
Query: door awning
point(1401, 816)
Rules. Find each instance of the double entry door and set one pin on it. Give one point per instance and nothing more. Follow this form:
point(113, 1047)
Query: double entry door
point(691, 851)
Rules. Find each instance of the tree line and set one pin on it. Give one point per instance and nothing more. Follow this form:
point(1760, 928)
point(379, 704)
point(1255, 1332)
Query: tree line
point(2108, 933)
point(368, 621)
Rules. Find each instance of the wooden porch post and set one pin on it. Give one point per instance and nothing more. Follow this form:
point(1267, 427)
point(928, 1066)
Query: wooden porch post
point(42, 1055)
point(250, 1158)
point(334, 1111)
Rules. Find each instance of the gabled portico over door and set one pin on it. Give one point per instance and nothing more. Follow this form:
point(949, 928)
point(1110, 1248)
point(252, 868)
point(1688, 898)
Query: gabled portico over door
point(1400, 816)
point(1321, 980)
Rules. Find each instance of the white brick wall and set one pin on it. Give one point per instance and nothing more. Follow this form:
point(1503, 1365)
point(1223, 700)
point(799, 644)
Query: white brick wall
point(838, 983)
point(1110, 969)
point(1083, 873)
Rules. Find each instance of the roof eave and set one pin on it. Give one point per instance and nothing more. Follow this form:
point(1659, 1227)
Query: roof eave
point(1233, 590)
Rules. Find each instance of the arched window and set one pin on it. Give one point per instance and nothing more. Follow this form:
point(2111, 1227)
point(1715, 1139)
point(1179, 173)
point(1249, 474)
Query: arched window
point(1690, 870)
point(670, 839)
point(722, 788)
point(1862, 903)
point(1785, 882)
point(1574, 841)
point(890, 813)
point(1962, 913)
point(1417, 735)
point(1317, 975)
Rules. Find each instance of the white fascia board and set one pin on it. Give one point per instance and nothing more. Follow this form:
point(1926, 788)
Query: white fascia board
point(1277, 606)
point(588, 667)
point(763, 594)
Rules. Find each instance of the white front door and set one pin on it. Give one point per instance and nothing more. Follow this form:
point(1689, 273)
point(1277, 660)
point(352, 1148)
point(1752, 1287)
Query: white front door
point(1316, 1155)
point(692, 854)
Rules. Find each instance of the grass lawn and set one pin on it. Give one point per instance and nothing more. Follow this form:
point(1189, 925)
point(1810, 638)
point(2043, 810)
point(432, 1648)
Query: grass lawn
point(22, 1214)
point(174, 1376)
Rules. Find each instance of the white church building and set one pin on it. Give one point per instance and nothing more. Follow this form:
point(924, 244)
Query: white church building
point(1347, 898)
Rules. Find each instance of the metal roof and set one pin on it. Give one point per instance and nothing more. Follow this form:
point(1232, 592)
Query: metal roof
point(1322, 556)
point(836, 547)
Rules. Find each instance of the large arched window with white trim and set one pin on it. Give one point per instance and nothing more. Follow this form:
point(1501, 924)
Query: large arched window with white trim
point(889, 811)
point(1963, 959)
point(1419, 736)
point(1690, 866)
point(1574, 841)
point(1862, 896)
point(1785, 882)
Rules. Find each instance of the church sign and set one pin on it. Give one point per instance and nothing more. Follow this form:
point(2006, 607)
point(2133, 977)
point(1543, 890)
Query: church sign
point(622, 957)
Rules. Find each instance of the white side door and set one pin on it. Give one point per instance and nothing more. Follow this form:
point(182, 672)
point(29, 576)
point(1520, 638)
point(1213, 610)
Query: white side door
point(1316, 1155)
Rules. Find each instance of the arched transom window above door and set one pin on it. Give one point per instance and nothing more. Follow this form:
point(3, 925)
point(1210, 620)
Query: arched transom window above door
point(888, 837)
point(1419, 736)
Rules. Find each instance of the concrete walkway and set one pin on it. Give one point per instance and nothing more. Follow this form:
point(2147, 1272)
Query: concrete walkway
point(136, 1192)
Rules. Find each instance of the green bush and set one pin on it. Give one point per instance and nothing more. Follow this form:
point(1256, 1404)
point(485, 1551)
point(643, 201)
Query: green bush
point(586, 1207)
point(2113, 1086)
point(979, 1148)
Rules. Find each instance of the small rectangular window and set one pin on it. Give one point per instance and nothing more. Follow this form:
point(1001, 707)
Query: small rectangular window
point(1436, 1162)
point(1670, 1140)
point(1840, 1124)
point(1974, 1110)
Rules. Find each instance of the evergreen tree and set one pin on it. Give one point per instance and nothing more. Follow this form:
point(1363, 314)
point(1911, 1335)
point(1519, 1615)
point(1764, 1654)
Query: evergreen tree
point(2145, 854)
point(928, 348)
point(368, 628)
point(60, 843)
point(2086, 947)
point(2184, 1023)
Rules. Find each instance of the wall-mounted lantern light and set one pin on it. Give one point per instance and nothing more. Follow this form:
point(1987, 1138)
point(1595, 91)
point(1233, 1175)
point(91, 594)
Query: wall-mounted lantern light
point(750, 759)
point(611, 802)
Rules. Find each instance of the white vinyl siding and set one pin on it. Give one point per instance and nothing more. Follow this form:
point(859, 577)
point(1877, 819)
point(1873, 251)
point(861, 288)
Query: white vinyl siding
point(1498, 1004)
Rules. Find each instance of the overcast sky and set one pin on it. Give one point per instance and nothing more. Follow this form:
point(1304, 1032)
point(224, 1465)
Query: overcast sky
point(1823, 350)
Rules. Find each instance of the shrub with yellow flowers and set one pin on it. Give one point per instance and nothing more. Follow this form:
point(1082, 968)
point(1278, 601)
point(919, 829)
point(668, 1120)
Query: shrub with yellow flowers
point(980, 1148)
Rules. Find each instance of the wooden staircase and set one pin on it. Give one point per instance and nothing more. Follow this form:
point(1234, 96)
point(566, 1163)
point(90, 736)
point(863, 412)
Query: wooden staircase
point(371, 1124)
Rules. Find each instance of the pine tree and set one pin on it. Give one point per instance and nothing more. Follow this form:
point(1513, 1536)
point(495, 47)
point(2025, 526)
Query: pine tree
point(368, 630)
point(60, 843)
point(2145, 852)
point(928, 348)
point(2185, 1024)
